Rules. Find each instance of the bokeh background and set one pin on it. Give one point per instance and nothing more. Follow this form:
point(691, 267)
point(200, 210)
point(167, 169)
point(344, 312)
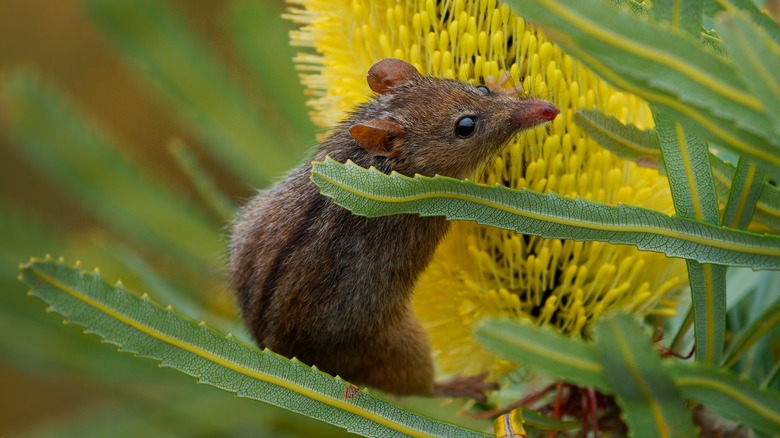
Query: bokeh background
point(55, 380)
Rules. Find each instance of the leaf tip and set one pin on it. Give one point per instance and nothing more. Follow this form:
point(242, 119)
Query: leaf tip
point(169, 308)
point(145, 297)
point(46, 257)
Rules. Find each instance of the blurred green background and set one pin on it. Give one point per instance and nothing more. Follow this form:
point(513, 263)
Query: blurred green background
point(70, 72)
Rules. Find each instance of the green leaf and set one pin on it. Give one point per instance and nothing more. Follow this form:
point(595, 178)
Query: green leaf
point(202, 94)
point(767, 209)
point(545, 351)
point(682, 331)
point(757, 60)
point(728, 396)
point(746, 188)
point(670, 70)
point(140, 326)
point(581, 363)
point(760, 327)
point(641, 146)
point(216, 200)
point(708, 292)
point(81, 158)
point(651, 403)
point(686, 159)
point(682, 15)
point(627, 141)
point(772, 376)
point(372, 193)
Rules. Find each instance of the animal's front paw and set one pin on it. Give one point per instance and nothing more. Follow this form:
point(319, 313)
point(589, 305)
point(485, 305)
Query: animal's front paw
point(469, 387)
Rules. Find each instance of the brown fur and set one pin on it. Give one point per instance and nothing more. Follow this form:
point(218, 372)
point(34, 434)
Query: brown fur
point(334, 289)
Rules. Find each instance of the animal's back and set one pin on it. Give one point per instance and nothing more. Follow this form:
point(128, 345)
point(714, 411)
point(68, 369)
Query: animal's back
point(312, 277)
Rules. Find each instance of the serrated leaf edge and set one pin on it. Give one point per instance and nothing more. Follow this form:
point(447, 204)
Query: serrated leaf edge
point(340, 404)
point(736, 247)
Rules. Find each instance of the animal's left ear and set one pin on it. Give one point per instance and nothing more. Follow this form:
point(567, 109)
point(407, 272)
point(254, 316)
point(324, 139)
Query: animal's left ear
point(389, 73)
point(379, 137)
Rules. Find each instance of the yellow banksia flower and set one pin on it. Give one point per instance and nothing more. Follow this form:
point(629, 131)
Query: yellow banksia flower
point(480, 272)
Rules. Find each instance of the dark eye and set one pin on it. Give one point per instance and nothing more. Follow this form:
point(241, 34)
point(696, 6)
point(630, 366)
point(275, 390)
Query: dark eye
point(465, 126)
point(484, 90)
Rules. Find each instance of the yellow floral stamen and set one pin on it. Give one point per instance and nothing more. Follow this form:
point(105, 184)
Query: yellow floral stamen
point(481, 272)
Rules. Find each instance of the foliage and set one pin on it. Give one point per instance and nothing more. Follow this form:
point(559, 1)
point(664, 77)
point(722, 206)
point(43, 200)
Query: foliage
point(172, 247)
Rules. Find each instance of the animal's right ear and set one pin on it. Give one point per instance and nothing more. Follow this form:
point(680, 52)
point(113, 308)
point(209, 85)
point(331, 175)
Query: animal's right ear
point(389, 73)
point(379, 137)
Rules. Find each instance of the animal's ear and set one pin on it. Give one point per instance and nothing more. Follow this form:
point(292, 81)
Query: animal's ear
point(389, 73)
point(379, 137)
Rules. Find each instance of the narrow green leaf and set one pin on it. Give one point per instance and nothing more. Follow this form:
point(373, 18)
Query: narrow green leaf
point(670, 70)
point(760, 327)
point(767, 209)
point(728, 396)
point(368, 192)
point(684, 15)
point(627, 141)
point(771, 376)
point(680, 336)
point(641, 146)
point(651, 403)
point(686, 159)
point(545, 351)
point(757, 60)
point(708, 292)
point(177, 63)
point(746, 188)
point(105, 184)
point(140, 326)
point(261, 36)
point(216, 200)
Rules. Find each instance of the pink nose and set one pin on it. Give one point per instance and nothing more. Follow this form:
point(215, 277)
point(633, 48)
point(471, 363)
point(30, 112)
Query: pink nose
point(532, 112)
point(548, 111)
